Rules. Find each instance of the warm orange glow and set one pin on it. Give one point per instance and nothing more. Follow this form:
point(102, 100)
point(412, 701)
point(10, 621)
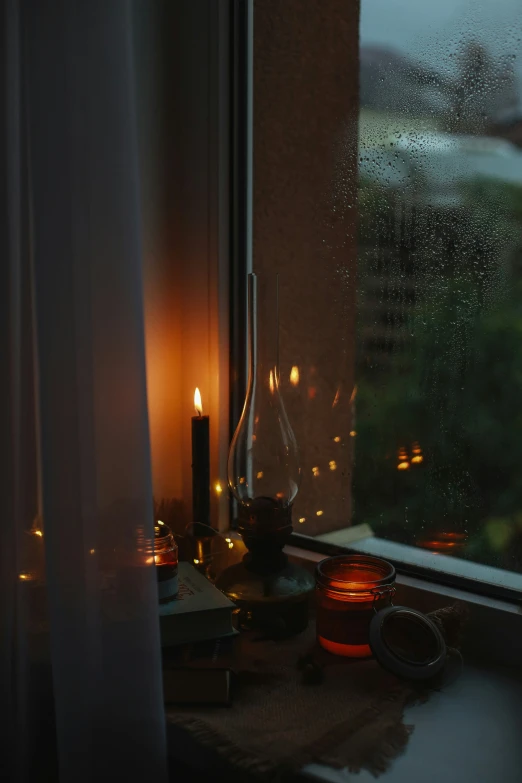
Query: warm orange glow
point(444, 542)
point(218, 488)
point(25, 577)
point(417, 459)
point(92, 551)
point(279, 495)
point(242, 480)
point(230, 545)
point(315, 471)
point(160, 522)
point(294, 375)
point(332, 465)
point(312, 391)
point(347, 650)
point(196, 561)
point(353, 394)
point(271, 381)
point(302, 519)
point(337, 439)
point(319, 513)
point(403, 466)
point(197, 402)
point(38, 533)
point(353, 433)
point(336, 398)
point(259, 474)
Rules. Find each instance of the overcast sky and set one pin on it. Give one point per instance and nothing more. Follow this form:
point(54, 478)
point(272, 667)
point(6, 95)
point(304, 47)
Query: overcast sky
point(429, 29)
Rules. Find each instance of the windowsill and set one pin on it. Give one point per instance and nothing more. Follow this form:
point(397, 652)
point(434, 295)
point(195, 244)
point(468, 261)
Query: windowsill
point(420, 558)
point(468, 732)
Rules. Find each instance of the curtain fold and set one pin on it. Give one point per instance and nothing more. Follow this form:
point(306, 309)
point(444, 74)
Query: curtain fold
point(79, 648)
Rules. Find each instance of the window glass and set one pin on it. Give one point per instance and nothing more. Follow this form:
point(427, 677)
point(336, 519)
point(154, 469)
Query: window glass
point(438, 407)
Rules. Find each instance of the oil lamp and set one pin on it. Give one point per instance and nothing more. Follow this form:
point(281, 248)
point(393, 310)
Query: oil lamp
point(264, 476)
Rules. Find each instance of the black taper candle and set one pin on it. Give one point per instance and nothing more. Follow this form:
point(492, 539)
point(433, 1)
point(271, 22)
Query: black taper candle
point(200, 471)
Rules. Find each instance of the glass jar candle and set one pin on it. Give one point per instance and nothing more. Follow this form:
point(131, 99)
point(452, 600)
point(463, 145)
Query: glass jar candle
point(166, 561)
point(350, 588)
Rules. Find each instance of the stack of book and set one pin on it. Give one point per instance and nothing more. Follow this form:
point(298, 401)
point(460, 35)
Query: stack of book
point(200, 612)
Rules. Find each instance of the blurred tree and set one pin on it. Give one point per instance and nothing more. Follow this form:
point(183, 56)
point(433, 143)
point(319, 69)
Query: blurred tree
point(484, 88)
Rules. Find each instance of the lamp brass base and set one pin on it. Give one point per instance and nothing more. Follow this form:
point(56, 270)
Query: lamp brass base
point(275, 602)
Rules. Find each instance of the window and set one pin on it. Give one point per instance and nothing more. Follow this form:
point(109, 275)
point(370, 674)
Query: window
point(439, 302)
point(397, 196)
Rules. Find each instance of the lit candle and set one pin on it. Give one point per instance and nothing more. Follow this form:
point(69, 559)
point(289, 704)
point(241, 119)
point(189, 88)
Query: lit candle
point(200, 465)
point(349, 590)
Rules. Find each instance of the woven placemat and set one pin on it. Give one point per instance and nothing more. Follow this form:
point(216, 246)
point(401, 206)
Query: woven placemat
point(352, 717)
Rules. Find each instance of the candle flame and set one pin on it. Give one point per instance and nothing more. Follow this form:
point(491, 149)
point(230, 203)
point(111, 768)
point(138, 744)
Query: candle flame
point(294, 375)
point(197, 402)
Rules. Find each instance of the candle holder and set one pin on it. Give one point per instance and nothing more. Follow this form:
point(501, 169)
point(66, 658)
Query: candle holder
point(264, 476)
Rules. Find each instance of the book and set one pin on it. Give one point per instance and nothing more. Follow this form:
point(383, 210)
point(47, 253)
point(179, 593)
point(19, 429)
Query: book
point(199, 612)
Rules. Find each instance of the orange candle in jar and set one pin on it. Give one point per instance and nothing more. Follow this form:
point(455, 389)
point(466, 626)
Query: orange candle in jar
point(349, 589)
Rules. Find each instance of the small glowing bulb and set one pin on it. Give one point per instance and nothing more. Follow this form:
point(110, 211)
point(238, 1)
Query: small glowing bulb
point(294, 375)
point(218, 488)
point(196, 561)
point(242, 480)
point(160, 522)
point(417, 459)
point(319, 513)
point(353, 433)
point(24, 577)
point(259, 474)
point(227, 540)
point(315, 471)
point(271, 381)
point(92, 551)
point(302, 519)
point(38, 533)
point(337, 439)
point(403, 466)
point(230, 545)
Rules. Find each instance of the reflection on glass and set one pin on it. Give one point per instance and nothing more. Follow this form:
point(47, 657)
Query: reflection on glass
point(439, 364)
point(263, 460)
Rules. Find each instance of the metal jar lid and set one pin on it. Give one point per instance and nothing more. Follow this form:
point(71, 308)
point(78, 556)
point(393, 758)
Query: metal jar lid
point(407, 643)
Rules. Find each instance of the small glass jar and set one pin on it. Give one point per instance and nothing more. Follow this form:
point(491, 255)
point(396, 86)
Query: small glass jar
point(350, 588)
point(166, 561)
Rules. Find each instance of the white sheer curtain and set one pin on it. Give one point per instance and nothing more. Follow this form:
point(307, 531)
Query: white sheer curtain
point(80, 670)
